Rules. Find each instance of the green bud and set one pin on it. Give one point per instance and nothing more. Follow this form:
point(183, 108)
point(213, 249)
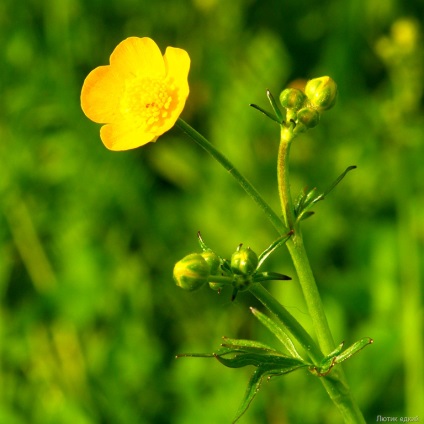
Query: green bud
point(244, 261)
point(292, 98)
point(308, 117)
point(212, 259)
point(322, 93)
point(191, 272)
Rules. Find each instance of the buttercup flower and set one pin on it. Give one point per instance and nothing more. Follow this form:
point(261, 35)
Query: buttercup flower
point(139, 96)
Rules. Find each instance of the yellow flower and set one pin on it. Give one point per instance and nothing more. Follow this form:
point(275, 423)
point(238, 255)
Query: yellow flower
point(139, 96)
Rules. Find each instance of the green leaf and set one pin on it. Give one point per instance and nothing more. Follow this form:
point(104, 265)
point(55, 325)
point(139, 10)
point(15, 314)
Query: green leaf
point(241, 359)
point(351, 350)
point(307, 200)
point(277, 331)
point(247, 345)
point(273, 246)
point(252, 388)
point(267, 276)
point(201, 242)
point(305, 215)
point(275, 107)
point(274, 118)
point(337, 356)
point(335, 352)
point(256, 381)
point(332, 186)
point(195, 355)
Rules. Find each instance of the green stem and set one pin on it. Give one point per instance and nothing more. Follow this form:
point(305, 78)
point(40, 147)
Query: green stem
point(335, 384)
point(310, 292)
point(220, 279)
point(283, 177)
point(247, 187)
point(297, 249)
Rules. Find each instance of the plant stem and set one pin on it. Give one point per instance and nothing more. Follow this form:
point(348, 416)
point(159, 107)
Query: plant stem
point(310, 292)
point(335, 384)
point(283, 177)
point(297, 249)
point(246, 185)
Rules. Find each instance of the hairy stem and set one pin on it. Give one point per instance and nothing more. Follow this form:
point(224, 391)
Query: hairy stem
point(335, 384)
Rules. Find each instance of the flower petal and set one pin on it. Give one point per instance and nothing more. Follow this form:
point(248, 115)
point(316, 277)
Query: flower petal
point(100, 95)
point(138, 57)
point(124, 136)
point(177, 63)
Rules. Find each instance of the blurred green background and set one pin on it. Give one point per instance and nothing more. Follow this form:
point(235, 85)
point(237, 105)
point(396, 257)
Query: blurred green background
point(90, 319)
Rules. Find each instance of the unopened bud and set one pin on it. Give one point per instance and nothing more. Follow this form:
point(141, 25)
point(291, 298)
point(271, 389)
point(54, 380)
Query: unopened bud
point(191, 272)
point(322, 93)
point(212, 259)
point(292, 98)
point(308, 117)
point(244, 261)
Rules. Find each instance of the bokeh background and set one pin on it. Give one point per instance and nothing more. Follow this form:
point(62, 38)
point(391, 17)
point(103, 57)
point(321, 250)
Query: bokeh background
point(90, 319)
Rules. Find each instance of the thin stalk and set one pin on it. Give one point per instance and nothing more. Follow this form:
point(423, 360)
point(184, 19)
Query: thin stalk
point(335, 384)
point(310, 292)
point(297, 250)
point(245, 185)
point(283, 177)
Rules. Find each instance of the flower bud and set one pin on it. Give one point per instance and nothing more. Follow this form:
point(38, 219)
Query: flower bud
point(244, 261)
point(292, 98)
point(322, 93)
point(308, 117)
point(191, 272)
point(212, 259)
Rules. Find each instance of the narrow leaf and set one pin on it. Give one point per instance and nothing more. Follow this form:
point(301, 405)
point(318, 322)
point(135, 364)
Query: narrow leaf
point(351, 350)
point(332, 186)
point(255, 384)
point(277, 331)
point(336, 351)
point(242, 343)
point(274, 118)
point(305, 215)
point(268, 276)
point(241, 359)
point(272, 247)
point(252, 388)
point(274, 106)
point(195, 355)
point(201, 242)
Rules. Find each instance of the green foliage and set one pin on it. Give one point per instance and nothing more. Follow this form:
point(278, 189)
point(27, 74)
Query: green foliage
point(90, 319)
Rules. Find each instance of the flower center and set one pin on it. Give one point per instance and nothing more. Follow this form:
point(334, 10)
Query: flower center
point(148, 101)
